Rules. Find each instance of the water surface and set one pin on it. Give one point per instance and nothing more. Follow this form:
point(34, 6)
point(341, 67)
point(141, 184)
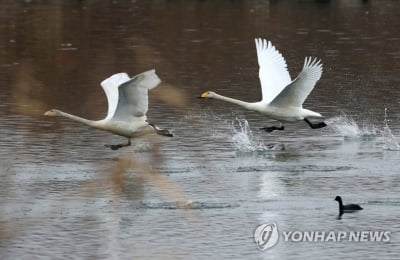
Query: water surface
point(202, 193)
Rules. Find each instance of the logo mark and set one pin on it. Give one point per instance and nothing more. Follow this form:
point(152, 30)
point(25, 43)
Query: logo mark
point(266, 236)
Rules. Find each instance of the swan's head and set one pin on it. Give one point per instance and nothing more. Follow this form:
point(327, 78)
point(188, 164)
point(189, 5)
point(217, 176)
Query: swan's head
point(53, 112)
point(208, 94)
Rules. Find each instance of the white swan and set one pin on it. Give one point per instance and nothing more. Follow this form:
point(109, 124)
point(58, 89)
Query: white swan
point(282, 98)
point(127, 106)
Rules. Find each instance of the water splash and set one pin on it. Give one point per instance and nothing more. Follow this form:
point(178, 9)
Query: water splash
point(347, 127)
point(142, 147)
point(245, 141)
point(390, 142)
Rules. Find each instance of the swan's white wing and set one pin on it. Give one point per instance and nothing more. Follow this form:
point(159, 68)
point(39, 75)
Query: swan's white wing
point(273, 72)
point(110, 86)
point(296, 92)
point(133, 98)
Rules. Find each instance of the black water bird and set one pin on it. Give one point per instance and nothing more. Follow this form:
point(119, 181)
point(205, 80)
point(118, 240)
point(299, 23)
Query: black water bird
point(347, 208)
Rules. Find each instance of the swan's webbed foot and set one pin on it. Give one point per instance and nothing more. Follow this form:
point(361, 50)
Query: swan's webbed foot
point(162, 132)
point(315, 125)
point(272, 128)
point(117, 146)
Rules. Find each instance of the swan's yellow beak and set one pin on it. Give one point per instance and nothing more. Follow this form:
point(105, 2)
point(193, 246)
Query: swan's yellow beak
point(204, 95)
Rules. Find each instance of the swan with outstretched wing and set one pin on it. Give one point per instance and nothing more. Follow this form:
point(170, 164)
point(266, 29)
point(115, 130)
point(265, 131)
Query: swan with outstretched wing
point(127, 107)
point(282, 98)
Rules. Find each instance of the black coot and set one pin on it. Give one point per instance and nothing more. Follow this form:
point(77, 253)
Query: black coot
point(346, 208)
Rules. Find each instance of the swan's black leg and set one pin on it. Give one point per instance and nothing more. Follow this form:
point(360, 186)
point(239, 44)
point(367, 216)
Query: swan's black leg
point(118, 146)
point(316, 125)
point(272, 128)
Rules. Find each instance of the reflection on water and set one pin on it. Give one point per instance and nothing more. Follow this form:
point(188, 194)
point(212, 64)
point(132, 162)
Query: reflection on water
point(211, 185)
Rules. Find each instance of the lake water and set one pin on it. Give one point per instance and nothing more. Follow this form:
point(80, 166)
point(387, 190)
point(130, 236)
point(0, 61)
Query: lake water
point(202, 193)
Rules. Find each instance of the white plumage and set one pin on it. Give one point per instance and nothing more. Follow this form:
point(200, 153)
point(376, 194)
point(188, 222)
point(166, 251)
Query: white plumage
point(282, 98)
point(127, 97)
point(273, 72)
point(127, 106)
point(295, 93)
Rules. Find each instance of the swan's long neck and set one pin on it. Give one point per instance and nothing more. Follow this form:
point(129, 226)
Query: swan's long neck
point(79, 119)
point(232, 100)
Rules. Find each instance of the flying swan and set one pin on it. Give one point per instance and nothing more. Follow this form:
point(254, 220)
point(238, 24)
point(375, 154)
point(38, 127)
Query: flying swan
point(282, 98)
point(127, 106)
